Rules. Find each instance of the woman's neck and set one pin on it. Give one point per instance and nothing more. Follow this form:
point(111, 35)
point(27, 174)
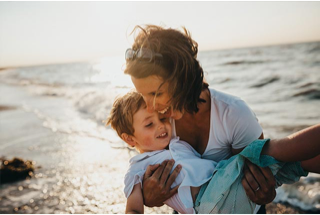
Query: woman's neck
point(194, 128)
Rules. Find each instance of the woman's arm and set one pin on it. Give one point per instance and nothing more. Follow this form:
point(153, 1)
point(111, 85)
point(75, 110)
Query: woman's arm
point(157, 183)
point(135, 201)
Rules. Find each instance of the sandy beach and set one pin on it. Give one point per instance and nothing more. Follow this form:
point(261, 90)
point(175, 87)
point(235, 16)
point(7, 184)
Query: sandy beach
point(75, 172)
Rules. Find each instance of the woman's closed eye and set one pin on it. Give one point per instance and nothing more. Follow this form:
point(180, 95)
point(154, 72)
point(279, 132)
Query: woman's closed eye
point(154, 94)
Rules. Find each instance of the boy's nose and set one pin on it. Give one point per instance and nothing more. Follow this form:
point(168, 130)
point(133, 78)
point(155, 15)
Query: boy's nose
point(161, 125)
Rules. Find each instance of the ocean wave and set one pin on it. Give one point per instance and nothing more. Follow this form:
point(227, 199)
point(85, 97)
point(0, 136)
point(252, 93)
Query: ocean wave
point(304, 194)
point(315, 48)
point(309, 93)
point(244, 62)
point(266, 81)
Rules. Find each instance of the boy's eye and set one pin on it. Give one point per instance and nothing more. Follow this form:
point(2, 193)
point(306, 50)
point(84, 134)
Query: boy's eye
point(148, 125)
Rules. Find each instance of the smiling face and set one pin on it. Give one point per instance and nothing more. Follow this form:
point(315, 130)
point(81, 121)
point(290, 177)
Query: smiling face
point(150, 86)
point(151, 131)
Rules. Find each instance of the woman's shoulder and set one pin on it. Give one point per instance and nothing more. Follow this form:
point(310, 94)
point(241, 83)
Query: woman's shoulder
point(229, 107)
point(221, 101)
point(219, 96)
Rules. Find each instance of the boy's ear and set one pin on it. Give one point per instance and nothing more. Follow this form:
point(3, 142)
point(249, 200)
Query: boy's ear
point(128, 139)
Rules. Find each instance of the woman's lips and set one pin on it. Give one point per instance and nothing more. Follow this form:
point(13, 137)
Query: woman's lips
point(164, 110)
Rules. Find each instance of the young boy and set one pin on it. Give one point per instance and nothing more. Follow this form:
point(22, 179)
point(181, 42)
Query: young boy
point(217, 188)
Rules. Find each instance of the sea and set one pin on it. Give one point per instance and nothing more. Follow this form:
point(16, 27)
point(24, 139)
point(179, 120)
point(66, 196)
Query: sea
point(55, 116)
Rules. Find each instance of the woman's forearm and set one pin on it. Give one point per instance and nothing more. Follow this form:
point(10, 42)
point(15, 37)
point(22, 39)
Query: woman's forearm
point(300, 146)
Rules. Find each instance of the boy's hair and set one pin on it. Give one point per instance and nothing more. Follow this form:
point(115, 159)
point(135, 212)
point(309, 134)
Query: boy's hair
point(123, 109)
point(179, 65)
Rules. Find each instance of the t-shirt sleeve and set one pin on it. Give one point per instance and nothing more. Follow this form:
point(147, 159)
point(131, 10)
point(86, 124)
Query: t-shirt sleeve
point(242, 125)
point(130, 180)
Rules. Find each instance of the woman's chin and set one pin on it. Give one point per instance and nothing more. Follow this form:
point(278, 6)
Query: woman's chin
point(176, 115)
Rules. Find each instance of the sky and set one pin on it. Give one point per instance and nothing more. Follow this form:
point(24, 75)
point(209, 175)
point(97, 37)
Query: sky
point(36, 33)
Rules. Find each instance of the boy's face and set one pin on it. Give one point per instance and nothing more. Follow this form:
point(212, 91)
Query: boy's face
point(151, 131)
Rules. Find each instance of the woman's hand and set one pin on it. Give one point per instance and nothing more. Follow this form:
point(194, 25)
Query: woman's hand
point(259, 184)
point(157, 183)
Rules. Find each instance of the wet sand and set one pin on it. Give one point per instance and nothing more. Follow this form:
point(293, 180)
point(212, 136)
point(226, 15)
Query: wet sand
point(278, 208)
point(3, 108)
point(74, 174)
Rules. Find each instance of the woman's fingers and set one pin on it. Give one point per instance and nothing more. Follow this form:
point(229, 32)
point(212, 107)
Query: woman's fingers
point(271, 181)
point(157, 183)
point(259, 183)
point(249, 175)
point(251, 195)
point(174, 190)
point(166, 172)
point(157, 174)
point(150, 170)
point(173, 177)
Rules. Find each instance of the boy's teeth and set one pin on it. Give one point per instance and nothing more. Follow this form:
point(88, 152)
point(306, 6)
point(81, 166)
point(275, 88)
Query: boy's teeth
point(162, 135)
point(164, 110)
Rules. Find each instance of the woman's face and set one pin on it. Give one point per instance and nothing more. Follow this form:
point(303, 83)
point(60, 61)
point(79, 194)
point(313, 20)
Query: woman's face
point(148, 87)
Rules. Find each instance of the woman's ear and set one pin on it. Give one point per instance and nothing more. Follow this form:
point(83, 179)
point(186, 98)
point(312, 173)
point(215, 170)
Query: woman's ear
point(128, 139)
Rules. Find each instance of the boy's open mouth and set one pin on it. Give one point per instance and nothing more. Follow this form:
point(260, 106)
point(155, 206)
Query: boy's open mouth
point(164, 134)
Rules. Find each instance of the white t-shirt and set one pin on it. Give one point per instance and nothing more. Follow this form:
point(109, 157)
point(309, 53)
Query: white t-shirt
point(195, 172)
point(232, 125)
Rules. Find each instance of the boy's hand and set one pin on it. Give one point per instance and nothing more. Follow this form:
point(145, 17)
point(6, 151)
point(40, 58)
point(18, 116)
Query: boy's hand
point(157, 182)
point(259, 184)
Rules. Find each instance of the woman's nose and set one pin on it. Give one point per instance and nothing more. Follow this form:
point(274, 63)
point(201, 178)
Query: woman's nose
point(150, 107)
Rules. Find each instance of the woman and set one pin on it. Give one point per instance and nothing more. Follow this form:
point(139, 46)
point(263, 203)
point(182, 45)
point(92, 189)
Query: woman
point(164, 68)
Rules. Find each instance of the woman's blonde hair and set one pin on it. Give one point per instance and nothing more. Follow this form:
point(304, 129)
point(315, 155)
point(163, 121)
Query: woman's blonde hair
point(123, 109)
point(178, 67)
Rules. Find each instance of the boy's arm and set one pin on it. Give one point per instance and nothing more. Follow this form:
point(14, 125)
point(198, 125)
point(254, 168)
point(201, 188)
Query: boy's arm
point(312, 165)
point(135, 201)
point(300, 146)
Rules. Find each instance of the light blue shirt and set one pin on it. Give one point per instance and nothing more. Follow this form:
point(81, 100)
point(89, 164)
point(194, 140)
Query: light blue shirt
point(225, 194)
point(194, 173)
